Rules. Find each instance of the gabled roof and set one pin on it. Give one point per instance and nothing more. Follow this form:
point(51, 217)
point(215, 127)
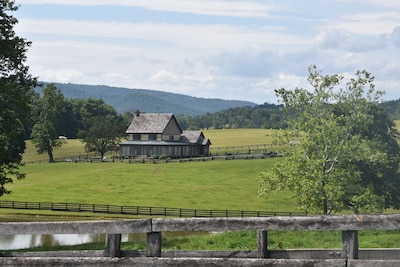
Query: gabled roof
point(191, 136)
point(150, 122)
point(195, 137)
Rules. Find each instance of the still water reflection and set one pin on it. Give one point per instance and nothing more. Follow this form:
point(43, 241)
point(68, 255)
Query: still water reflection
point(12, 242)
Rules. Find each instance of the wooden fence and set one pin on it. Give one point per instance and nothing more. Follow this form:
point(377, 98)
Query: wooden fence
point(227, 152)
point(348, 255)
point(140, 210)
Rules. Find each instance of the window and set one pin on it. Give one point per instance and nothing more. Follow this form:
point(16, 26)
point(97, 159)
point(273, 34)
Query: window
point(136, 137)
point(153, 137)
point(171, 138)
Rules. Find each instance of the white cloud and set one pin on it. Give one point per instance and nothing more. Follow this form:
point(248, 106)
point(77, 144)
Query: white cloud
point(205, 7)
point(341, 39)
point(377, 3)
point(241, 51)
point(395, 36)
point(332, 38)
point(202, 36)
point(164, 76)
point(371, 23)
point(58, 75)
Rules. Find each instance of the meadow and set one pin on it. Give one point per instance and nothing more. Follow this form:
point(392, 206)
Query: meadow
point(213, 184)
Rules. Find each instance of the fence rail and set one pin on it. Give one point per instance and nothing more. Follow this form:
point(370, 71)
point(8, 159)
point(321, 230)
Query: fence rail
point(348, 255)
point(141, 210)
point(233, 152)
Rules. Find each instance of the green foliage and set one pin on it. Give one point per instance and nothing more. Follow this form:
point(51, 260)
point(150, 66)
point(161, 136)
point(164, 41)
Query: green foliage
point(44, 133)
point(15, 95)
point(346, 155)
point(262, 116)
point(104, 128)
point(393, 108)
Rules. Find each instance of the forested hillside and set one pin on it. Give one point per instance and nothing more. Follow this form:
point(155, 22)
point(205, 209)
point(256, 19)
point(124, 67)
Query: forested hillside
point(151, 101)
point(268, 116)
point(393, 108)
point(192, 112)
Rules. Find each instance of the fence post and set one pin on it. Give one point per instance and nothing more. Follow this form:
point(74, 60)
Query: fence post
point(113, 245)
point(154, 244)
point(349, 244)
point(262, 244)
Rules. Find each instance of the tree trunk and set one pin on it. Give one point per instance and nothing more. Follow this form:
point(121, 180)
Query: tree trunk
point(50, 153)
point(325, 206)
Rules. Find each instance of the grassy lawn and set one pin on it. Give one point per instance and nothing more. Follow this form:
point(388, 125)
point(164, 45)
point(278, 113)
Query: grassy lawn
point(72, 148)
point(238, 137)
point(218, 184)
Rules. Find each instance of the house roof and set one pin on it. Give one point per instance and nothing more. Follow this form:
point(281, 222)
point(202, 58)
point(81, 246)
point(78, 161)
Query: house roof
point(195, 137)
point(149, 122)
point(191, 136)
point(152, 143)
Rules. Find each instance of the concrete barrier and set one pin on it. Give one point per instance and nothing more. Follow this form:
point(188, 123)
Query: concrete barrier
point(158, 262)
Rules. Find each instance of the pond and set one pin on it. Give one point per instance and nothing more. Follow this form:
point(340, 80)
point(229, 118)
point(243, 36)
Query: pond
point(14, 242)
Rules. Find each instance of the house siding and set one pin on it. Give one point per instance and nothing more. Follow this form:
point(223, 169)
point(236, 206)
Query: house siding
point(172, 131)
point(160, 134)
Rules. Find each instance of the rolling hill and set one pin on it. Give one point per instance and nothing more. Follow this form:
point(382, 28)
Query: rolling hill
point(126, 100)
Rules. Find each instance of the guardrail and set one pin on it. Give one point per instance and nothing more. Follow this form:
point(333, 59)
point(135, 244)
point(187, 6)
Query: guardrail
point(348, 255)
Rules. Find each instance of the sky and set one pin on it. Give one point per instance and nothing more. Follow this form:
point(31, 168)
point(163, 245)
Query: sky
point(228, 49)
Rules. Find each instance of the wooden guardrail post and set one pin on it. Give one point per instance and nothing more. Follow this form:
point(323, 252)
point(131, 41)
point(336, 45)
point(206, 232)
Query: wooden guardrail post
point(262, 244)
point(154, 244)
point(349, 244)
point(113, 245)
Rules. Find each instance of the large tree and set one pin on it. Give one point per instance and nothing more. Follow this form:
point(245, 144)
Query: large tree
point(345, 154)
point(15, 90)
point(102, 128)
point(45, 134)
point(104, 134)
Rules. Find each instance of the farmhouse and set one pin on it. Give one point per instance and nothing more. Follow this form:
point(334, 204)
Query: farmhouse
point(156, 134)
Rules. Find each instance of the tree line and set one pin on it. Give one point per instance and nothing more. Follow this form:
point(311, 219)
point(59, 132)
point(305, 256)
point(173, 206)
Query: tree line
point(267, 116)
point(101, 128)
point(93, 121)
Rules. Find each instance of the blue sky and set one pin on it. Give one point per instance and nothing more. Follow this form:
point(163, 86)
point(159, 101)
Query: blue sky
point(225, 49)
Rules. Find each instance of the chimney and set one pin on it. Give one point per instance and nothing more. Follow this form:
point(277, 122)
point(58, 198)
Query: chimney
point(136, 113)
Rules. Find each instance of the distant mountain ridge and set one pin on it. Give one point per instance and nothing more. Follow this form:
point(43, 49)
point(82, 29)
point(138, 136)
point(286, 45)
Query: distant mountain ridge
point(151, 101)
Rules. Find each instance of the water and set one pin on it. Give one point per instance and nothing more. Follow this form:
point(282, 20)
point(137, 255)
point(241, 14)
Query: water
point(13, 242)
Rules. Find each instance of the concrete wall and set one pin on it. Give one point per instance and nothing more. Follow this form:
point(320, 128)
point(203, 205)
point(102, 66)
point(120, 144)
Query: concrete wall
point(348, 255)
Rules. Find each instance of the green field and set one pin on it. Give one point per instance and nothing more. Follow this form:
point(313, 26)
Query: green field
point(213, 184)
point(218, 184)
